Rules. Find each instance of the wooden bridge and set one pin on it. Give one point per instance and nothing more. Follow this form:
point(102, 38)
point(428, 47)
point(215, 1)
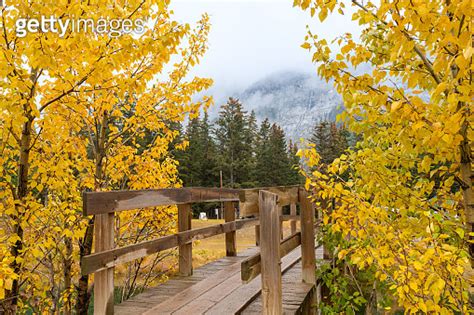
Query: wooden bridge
point(277, 276)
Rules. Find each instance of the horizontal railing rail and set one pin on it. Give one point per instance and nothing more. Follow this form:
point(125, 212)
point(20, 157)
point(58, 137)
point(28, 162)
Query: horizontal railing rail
point(113, 257)
point(114, 201)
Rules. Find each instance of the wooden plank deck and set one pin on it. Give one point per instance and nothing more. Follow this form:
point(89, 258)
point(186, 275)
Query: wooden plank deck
point(216, 288)
point(152, 297)
point(294, 294)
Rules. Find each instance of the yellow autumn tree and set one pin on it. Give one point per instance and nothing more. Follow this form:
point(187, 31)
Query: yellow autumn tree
point(84, 110)
point(406, 208)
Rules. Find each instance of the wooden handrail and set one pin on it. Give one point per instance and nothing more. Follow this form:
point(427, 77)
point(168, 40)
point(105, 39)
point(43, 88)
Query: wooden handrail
point(110, 258)
point(113, 257)
point(114, 201)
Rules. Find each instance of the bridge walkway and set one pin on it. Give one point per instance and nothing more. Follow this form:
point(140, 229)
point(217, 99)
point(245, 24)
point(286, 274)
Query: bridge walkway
point(216, 288)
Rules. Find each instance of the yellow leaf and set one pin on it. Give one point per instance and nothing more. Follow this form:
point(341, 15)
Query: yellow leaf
point(323, 14)
point(395, 106)
point(306, 45)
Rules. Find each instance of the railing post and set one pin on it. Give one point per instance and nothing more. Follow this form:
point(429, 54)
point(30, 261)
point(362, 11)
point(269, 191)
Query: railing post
point(229, 216)
point(308, 255)
point(270, 253)
point(104, 279)
point(293, 222)
point(280, 210)
point(257, 235)
point(185, 250)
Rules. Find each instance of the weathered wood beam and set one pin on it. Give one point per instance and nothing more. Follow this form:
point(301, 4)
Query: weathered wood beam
point(185, 251)
point(270, 253)
point(293, 222)
point(111, 258)
point(113, 201)
point(251, 267)
point(249, 198)
point(230, 237)
point(289, 217)
point(280, 211)
point(257, 235)
point(104, 279)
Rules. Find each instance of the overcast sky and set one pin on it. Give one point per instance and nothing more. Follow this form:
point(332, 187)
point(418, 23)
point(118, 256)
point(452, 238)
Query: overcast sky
point(251, 39)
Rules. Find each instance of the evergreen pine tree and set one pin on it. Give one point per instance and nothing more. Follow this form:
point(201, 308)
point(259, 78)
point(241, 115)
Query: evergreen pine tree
point(331, 140)
point(280, 166)
point(234, 145)
point(294, 177)
point(198, 166)
point(189, 165)
point(321, 137)
point(263, 155)
point(247, 157)
point(252, 139)
point(273, 163)
point(210, 170)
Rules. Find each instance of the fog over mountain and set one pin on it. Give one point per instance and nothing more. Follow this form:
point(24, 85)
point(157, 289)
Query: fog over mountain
point(294, 100)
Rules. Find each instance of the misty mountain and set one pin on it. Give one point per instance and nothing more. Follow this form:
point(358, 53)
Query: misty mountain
point(294, 100)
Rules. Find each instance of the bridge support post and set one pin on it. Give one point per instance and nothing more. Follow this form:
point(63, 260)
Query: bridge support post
point(104, 279)
point(229, 216)
point(280, 210)
point(185, 250)
point(257, 235)
point(293, 222)
point(270, 253)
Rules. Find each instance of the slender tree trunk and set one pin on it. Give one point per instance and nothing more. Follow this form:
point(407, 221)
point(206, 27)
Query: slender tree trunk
point(55, 291)
point(467, 177)
point(232, 168)
point(83, 292)
point(11, 296)
point(67, 264)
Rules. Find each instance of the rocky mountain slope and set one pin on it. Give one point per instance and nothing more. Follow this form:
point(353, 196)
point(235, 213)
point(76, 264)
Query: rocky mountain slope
point(294, 100)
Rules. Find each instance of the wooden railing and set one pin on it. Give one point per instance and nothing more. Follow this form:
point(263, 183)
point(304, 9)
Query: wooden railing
point(268, 261)
point(265, 203)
